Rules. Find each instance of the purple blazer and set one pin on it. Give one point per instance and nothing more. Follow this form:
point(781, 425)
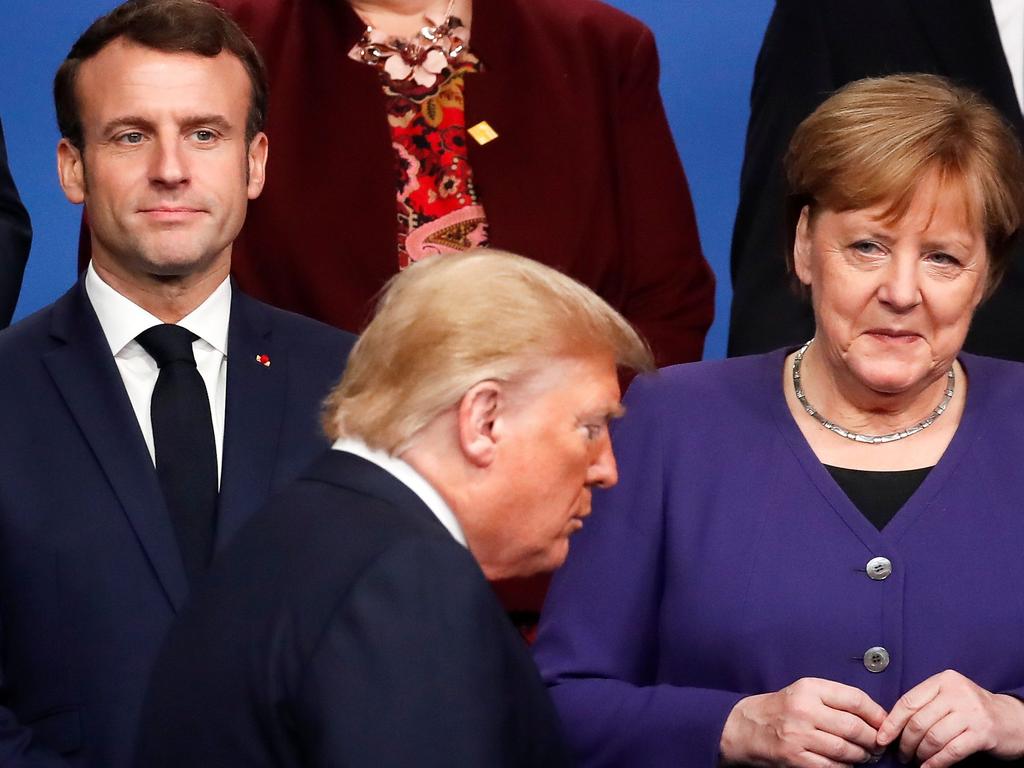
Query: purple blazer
point(727, 562)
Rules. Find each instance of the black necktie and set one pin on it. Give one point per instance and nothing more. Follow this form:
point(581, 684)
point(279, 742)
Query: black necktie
point(186, 455)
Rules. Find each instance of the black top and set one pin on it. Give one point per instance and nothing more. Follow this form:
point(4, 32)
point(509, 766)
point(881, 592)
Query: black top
point(878, 495)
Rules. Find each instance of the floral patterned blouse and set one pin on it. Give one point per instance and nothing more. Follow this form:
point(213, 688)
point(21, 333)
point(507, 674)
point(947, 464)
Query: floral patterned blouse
point(437, 205)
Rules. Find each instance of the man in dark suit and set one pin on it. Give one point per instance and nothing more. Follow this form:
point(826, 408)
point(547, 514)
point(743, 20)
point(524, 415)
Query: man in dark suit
point(350, 624)
point(15, 239)
point(811, 48)
point(115, 490)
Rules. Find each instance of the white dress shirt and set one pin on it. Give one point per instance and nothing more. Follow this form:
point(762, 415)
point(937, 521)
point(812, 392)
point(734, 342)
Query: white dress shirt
point(409, 477)
point(122, 320)
point(1010, 20)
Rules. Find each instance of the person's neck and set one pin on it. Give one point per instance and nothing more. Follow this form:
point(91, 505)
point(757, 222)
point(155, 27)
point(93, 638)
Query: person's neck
point(405, 18)
point(168, 298)
point(846, 402)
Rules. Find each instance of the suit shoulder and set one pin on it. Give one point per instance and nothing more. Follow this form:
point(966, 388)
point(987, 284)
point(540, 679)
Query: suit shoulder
point(28, 336)
point(583, 25)
point(303, 329)
point(710, 377)
point(995, 379)
point(576, 11)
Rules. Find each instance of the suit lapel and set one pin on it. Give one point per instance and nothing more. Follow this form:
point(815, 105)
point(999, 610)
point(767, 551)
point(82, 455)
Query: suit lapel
point(965, 40)
point(87, 377)
point(255, 405)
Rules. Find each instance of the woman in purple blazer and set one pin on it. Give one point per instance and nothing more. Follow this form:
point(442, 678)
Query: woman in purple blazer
point(814, 557)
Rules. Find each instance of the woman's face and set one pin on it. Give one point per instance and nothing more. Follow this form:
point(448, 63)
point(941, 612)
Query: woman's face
point(893, 300)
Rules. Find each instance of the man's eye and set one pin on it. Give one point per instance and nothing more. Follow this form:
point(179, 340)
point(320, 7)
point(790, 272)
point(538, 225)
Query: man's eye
point(593, 431)
point(131, 137)
point(205, 135)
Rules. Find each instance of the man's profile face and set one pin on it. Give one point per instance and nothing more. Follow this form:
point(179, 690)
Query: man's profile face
point(555, 447)
point(165, 171)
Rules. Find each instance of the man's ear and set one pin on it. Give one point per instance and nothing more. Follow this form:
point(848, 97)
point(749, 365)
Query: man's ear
point(802, 247)
point(71, 171)
point(478, 414)
point(256, 160)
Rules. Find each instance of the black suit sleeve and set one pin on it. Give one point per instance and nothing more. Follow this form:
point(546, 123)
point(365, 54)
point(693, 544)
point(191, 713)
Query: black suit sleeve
point(793, 75)
point(15, 239)
point(419, 666)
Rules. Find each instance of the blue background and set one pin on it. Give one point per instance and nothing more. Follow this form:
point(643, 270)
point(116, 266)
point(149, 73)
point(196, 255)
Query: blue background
point(707, 50)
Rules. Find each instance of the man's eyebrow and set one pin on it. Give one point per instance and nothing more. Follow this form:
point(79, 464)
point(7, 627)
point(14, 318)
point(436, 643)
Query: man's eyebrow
point(219, 122)
point(127, 121)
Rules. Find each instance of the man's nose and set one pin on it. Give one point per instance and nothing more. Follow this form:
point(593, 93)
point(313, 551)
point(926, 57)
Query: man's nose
point(604, 472)
point(169, 164)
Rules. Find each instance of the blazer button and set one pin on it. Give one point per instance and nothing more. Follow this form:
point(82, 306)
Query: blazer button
point(879, 568)
point(876, 659)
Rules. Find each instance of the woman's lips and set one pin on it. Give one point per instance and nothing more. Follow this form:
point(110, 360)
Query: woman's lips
point(888, 336)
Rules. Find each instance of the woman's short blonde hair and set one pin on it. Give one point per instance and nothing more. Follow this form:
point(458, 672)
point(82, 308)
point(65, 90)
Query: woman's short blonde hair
point(452, 321)
point(873, 141)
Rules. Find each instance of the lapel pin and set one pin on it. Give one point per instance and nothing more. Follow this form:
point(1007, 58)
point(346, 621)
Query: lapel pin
point(483, 133)
point(263, 360)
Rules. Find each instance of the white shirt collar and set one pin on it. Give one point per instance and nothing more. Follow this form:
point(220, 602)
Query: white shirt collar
point(405, 474)
point(122, 320)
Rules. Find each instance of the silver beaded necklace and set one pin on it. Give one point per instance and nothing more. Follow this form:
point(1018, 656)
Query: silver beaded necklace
point(924, 423)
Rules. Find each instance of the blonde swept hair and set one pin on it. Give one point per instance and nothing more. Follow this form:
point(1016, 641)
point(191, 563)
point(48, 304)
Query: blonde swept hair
point(452, 321)
point(875, 140)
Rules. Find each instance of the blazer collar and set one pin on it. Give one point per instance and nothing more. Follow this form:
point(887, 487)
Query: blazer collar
point(258, 370)
point(346, 470)
point(84, 372)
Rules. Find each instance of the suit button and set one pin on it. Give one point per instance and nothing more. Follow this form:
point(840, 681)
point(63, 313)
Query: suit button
point(876, 659)
point(879, 568)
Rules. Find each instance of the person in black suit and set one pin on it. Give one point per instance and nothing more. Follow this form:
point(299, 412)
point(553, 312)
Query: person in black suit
point(15, 239)
point(811, 48)
point(105, 521)
point(351, 624)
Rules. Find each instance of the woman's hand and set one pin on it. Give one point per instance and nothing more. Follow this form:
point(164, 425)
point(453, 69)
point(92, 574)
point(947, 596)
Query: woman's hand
point(810, 724)
point(947, 718)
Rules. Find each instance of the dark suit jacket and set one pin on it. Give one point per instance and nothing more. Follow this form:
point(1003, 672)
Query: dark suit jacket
point(15, 239)
point(584, 175)
point(811, 48)
point(90, 575)
point(346, 627)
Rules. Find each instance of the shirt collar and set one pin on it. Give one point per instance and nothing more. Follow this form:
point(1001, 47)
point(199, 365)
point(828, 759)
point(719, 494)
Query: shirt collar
point(404, 473)
point(122, 320)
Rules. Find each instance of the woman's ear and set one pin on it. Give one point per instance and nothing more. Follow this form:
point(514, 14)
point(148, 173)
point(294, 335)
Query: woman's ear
point(802, 247)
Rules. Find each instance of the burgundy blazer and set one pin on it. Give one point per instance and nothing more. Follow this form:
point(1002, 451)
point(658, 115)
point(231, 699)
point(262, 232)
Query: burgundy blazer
point(584, 175)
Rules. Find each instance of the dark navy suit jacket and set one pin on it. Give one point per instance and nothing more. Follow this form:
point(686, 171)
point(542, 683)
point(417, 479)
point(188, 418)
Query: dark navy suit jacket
point(15, 239)
point(346, 627)
point(90, 575)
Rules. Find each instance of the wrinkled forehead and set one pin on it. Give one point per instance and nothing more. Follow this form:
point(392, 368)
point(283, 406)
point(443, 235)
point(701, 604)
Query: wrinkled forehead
point(958, 194)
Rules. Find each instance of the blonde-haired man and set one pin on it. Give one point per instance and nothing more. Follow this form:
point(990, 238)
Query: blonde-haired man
point(351, 624)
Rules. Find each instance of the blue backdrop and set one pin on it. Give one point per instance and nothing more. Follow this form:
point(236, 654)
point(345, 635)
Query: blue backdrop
point(707, 49)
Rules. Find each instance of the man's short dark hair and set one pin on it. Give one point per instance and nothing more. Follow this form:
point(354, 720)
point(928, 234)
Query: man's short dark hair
point(172, 26)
